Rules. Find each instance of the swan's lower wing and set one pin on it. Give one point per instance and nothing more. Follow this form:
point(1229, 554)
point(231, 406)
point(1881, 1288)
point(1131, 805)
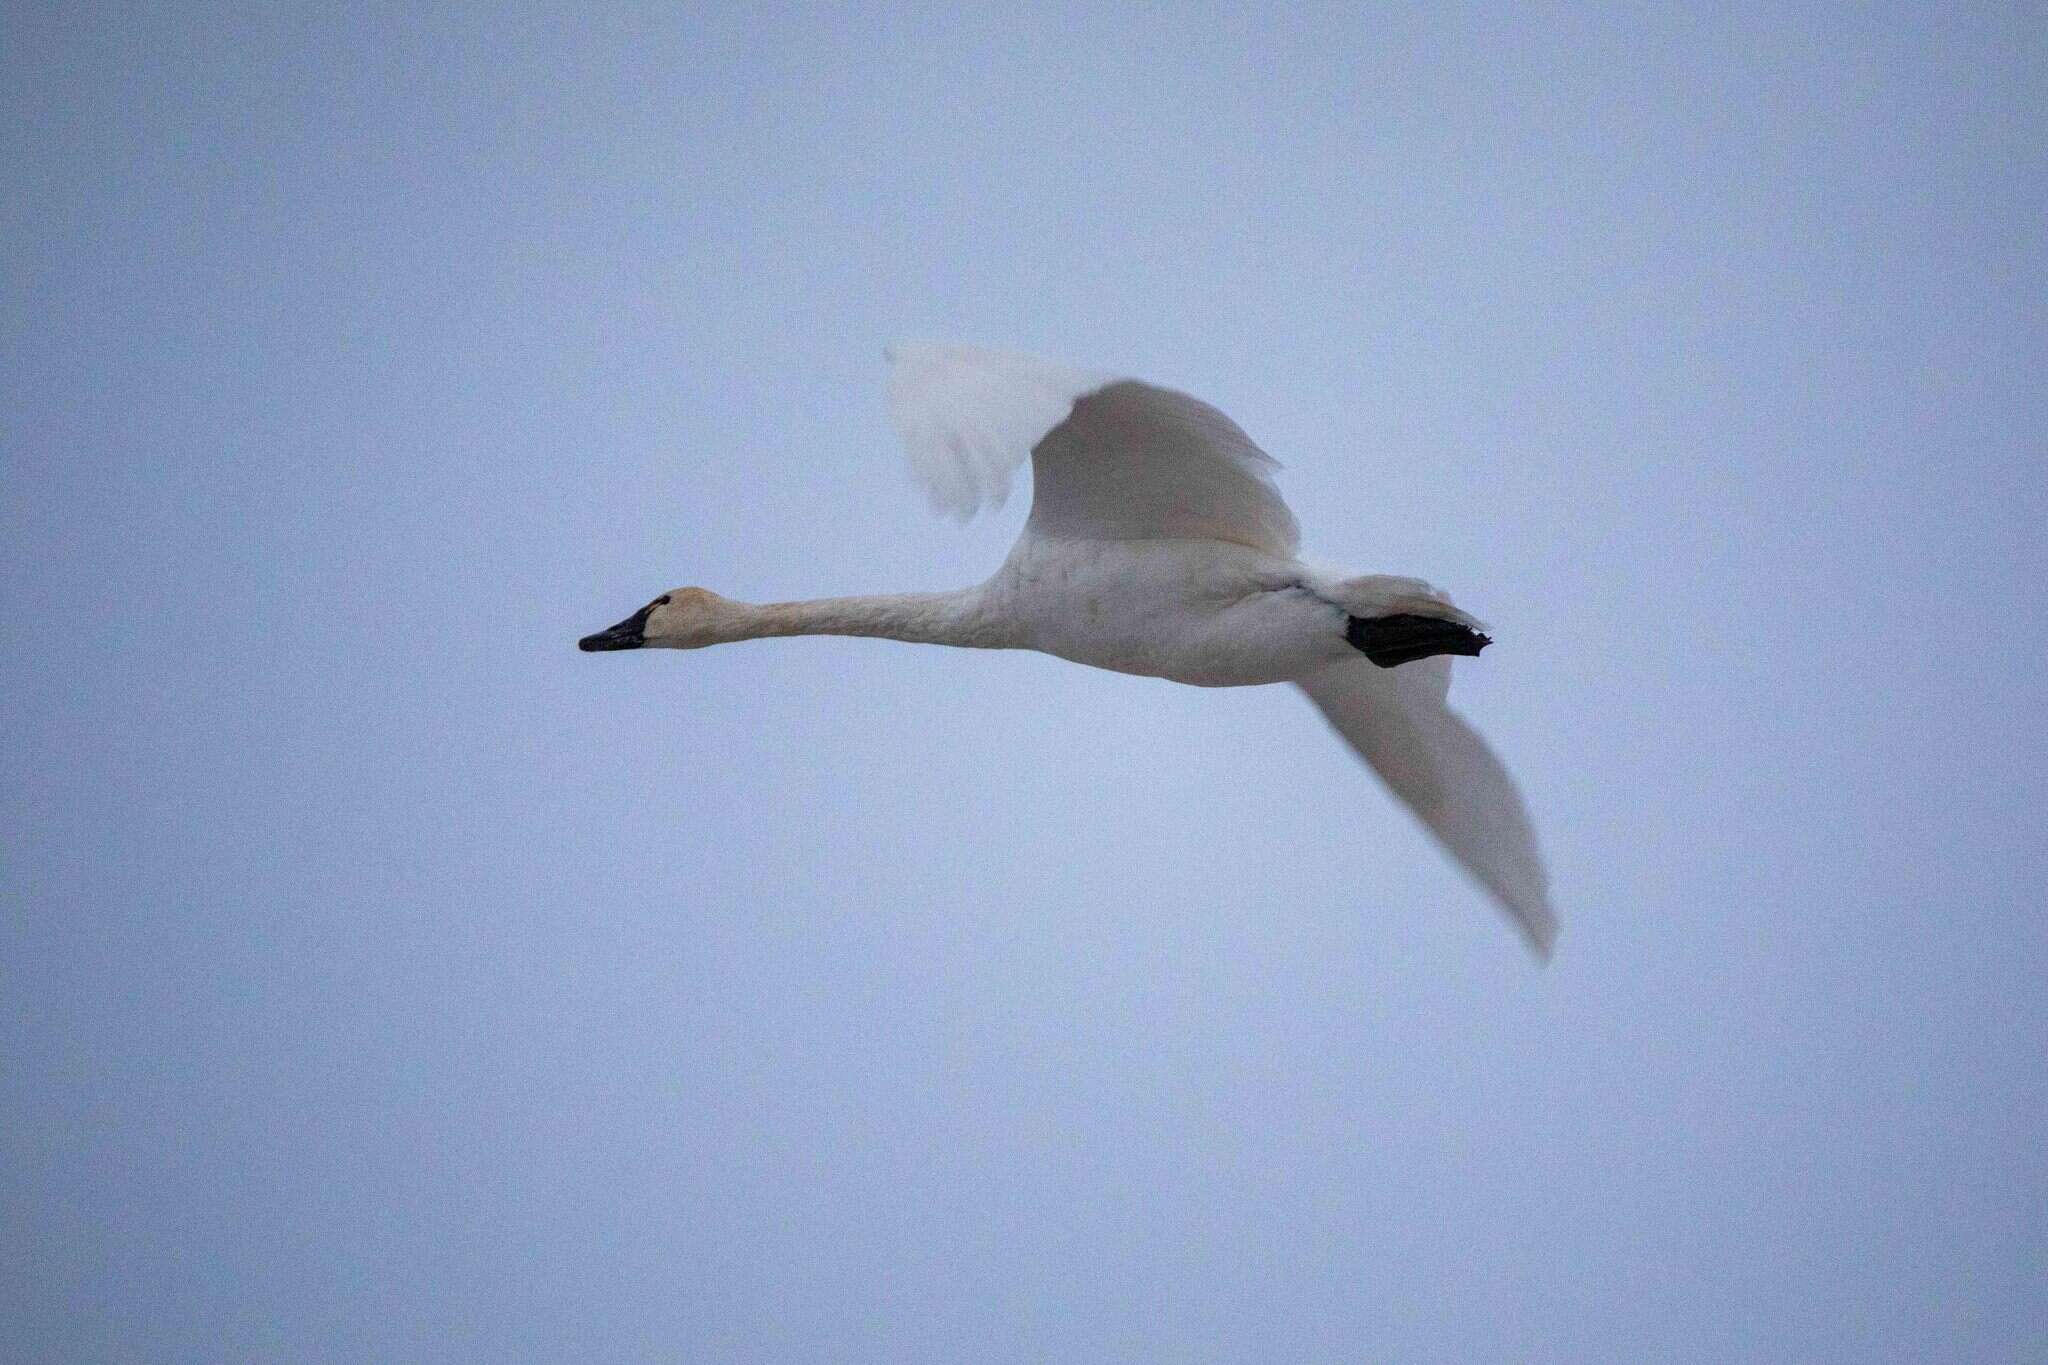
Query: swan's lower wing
point(1111, 459)
point(1400, 723)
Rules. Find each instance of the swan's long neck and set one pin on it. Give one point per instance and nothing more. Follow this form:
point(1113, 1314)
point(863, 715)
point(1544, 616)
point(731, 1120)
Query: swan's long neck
point(924, 618)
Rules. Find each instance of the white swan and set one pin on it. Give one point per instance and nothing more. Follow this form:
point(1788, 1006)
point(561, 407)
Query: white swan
point(1158, 545)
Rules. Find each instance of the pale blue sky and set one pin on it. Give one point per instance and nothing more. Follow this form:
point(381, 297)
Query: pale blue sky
point(381, 979)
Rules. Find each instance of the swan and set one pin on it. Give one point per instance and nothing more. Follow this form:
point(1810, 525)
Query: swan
point(1158, 545)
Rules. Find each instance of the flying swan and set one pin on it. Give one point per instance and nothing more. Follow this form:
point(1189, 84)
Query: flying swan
point(1158, 545)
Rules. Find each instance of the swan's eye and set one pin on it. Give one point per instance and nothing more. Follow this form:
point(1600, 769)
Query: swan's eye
point(660, 601)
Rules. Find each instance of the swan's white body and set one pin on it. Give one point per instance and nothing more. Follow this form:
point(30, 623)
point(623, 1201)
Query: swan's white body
point(1198, 612)
point(1157, 545)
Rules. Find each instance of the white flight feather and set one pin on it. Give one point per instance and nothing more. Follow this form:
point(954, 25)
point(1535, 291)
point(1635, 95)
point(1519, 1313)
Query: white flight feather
point(969, 415)
point(1112, 458)
point(1400, 723)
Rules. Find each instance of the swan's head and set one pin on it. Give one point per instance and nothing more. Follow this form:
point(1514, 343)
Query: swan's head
point(682, 618)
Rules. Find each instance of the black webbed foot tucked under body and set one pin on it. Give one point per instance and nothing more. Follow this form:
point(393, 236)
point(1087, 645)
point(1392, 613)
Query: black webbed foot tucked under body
point(1391, 640)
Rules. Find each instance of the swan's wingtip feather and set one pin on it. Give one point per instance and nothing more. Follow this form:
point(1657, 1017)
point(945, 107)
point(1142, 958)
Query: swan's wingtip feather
point(968, 416)
point(909, 348)
point(1539, 926)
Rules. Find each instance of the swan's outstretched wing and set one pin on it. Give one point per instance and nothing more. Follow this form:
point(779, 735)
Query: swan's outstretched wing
point(1111, 459)
point(1400, 723)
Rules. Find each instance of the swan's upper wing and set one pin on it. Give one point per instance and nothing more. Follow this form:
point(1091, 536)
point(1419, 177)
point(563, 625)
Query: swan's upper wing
point(1400, 723)
point(1111, 459)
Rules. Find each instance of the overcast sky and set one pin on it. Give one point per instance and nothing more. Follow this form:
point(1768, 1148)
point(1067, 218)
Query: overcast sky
point(381, 979)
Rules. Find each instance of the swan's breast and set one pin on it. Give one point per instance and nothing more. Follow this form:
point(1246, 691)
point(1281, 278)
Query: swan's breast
point(1197, 612)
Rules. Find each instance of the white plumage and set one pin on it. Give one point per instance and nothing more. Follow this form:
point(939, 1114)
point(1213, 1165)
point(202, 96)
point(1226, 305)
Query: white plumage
point(1158, 544)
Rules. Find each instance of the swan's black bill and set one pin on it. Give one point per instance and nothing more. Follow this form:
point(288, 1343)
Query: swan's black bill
point(1391, 640)
point(627, 634)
